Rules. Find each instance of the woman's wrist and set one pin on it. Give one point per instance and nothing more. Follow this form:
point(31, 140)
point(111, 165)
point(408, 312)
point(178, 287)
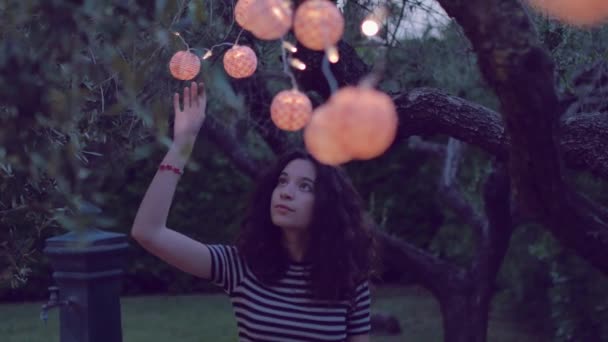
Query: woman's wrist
point(183, 142)
point(179, 153)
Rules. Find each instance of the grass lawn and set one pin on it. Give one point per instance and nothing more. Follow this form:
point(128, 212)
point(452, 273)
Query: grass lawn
point(209, 318)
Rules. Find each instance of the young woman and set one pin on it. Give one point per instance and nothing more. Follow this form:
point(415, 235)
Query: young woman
point(299, 269)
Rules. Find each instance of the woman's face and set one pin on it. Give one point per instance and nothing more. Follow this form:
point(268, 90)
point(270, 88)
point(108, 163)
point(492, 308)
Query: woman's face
point(293, 198)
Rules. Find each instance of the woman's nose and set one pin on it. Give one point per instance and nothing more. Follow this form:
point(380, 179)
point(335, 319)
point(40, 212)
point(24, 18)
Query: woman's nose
point(287, 192)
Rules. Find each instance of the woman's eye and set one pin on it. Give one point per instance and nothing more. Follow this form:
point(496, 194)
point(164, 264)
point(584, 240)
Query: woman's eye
point(282, 181)
point(306, 187)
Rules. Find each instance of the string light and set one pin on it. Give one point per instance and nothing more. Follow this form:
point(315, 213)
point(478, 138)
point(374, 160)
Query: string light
point(182, 39)
point(296, 63)
point(371, 25)
point(286, 70)
point(208, 54)
point(332, 54)
point(289, 47)
point(329, 76)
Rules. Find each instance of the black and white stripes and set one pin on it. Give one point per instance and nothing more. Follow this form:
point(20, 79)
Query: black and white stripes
point(285, 311)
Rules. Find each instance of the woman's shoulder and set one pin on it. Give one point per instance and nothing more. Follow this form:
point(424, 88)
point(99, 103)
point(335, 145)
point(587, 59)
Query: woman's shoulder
point(226, 250)
point(229, 248)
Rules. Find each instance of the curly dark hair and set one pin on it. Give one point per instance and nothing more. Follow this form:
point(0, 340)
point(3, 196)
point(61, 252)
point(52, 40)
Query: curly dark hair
point(341, 249)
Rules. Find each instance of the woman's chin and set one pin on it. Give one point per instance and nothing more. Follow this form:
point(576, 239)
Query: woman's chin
point(284, 223)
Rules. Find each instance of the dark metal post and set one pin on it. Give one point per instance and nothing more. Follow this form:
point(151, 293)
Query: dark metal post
point(88, 267)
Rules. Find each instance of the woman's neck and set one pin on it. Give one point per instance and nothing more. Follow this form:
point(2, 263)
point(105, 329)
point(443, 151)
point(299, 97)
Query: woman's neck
point(296, 245)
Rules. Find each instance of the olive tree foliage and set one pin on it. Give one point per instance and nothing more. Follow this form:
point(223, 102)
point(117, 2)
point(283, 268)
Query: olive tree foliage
point(85, 92)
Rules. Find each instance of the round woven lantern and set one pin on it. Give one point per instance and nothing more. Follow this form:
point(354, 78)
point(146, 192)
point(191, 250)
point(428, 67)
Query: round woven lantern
point(240, 61)
point(575, 12)
point(184, 65)
point(242, 13)
point(270, 19)
point(368, 121)
point(290, 110)
point(322, 138)
point(318, 24)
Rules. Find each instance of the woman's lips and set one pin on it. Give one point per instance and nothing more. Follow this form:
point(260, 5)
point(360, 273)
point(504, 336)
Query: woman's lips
point(283, 207)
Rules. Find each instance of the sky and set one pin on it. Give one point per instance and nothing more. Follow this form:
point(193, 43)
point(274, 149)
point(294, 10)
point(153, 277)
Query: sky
point(415, 21)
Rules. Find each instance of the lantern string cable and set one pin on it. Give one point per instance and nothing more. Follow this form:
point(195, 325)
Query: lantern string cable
point(238, 36)
point(285, 67)
point(209, 52)
point(182, 39)
point(221, 44)
point(329, 76)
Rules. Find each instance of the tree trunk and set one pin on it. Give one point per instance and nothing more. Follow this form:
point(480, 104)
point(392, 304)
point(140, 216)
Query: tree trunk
point(465, 316)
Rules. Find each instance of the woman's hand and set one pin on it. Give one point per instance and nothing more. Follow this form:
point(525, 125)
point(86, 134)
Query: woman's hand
point(188, 121)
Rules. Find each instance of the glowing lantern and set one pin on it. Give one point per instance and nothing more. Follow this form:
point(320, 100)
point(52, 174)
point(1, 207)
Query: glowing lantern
point(576, 12)
point(270, 19)
point(242, 11)
point(322, 138)
point(240, 61)
point(290, 110)
point(368, 121)
point(184, 65)
point(356, 123)
point(318, 24)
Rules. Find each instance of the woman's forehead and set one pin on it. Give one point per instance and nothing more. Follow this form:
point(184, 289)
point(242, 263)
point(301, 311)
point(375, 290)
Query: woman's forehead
point(300, 168)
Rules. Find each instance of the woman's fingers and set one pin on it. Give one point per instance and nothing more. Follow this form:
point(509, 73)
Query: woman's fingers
point(201, 93)
point(194, 94)
point(176, 106)
point(186, 98)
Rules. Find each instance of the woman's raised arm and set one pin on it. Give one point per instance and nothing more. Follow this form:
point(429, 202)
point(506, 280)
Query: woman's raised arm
point(149, 227)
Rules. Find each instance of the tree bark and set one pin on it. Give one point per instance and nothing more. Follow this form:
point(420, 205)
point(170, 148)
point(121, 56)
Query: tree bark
point(466, 304)
point(521, 73)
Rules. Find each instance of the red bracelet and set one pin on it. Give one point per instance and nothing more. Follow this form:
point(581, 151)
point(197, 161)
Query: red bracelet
point(170, 168)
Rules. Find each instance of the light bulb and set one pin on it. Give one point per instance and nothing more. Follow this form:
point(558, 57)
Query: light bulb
point(207, 54)
point(332, 54)
point(289, 47)
point(371, 24)
point(370, 27)
point(296, 63)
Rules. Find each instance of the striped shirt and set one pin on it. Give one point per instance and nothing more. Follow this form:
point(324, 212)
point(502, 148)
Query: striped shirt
point(285, 311)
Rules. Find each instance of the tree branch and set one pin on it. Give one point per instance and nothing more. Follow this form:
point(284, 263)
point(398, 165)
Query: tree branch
point(436, 275)
point(416, 143)
point(521, 73)
point(451, 193)
point(227, 142)
point(498, 227)
point(428, 111)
